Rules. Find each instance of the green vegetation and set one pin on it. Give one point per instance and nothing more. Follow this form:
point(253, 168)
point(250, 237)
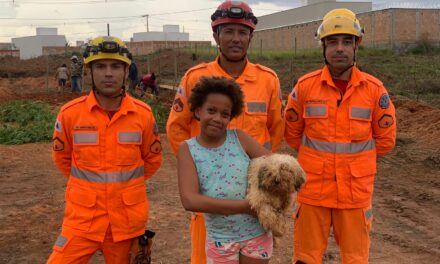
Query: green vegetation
point(26, 122)
point(160, 113)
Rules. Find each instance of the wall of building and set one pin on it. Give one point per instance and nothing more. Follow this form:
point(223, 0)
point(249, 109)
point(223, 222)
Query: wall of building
point(160, 36)
point(389, 28)
point(32, 46)
point(136, 48)
point(12, 53)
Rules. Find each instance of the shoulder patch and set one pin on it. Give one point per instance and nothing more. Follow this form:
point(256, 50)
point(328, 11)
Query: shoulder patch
point(57, 144)
point(58, 126)
point(73, 102)
point(384, 101)
point(156, 147)
point(309, 75)
point(266, 69)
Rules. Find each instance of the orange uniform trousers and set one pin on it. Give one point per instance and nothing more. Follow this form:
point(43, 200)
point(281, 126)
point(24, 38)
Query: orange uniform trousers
point(351, 228)
point(79, 250)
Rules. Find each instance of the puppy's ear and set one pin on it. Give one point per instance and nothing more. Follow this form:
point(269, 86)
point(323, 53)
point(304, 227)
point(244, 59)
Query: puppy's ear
point(262, 173)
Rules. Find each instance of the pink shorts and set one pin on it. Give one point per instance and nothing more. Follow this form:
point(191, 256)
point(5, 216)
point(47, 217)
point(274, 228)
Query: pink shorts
point(229, 253)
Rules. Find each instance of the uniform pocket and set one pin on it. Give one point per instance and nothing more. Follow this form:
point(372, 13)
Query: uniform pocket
point(80, 208)
point(136, 207)
point(360, 123)
point(362, 180)
point(128, 148)
point(86, 148)
point(255, 118)
point(314, 168)
point(316, 121)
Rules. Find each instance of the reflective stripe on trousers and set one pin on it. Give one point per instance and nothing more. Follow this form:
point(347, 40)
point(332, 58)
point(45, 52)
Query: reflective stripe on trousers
point(338, 148)
point(107, 177)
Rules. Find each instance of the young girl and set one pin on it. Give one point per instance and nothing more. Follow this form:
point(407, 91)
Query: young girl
point(212, 171)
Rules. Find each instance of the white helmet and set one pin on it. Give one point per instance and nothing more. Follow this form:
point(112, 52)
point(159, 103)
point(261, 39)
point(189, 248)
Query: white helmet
point(74, 57)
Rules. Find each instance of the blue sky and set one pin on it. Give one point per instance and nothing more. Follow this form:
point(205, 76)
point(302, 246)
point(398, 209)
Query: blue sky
point(83, 19)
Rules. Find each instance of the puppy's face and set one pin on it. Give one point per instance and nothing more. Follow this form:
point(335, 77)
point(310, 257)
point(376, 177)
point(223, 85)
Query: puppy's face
point(280, 177)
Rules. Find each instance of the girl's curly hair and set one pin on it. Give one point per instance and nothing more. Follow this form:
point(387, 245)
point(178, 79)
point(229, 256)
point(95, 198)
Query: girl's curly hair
point(217, 85)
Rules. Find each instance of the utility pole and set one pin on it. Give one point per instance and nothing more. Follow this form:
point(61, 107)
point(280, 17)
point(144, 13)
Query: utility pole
point(108, 29)
point(146, 17)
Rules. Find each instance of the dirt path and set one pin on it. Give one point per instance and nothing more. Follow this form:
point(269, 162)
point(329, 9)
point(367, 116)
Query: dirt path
point(405, 230)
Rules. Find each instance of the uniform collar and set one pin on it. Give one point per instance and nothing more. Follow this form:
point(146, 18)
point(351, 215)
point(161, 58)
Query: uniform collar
point(356, 77)
point(127, 103)
point(249, 73)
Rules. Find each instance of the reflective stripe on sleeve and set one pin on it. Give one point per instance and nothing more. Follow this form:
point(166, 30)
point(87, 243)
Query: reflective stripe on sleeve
point(107, 177)
point(129, 137)
point(316, 110)
point(338, 148)
point(358, 112)
point(85, 138)
point(256, 107)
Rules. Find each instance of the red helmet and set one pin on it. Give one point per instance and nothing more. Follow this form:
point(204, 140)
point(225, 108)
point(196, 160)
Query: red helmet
point(233, 12)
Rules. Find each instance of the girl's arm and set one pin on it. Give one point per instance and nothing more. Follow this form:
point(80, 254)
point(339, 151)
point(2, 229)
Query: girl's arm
point(251, 146)
point(190, 195)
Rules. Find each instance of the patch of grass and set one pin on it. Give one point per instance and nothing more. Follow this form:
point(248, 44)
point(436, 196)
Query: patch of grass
point(160, 112)
point(24, 122)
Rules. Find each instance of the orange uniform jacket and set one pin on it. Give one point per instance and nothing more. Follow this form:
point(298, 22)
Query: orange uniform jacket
point(106, 162)
point(338, 137)
point(262, 114)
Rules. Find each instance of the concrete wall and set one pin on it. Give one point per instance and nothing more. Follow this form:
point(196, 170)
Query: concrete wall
point(32, 46)
point(160, 36)
point(136, 48)
point(389, 28)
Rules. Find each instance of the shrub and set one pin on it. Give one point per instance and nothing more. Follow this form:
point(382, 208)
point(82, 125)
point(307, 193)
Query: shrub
point(26, 122)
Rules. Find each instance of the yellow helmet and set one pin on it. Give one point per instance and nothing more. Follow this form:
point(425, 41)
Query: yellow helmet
point(103, 47)
point(339, 21)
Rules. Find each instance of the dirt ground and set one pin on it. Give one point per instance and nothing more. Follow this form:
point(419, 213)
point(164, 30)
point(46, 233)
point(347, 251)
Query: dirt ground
point(406, 200)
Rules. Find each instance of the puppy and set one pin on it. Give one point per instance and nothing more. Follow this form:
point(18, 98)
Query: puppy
point(272, 183)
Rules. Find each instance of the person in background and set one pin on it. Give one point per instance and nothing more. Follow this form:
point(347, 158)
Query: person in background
point(61, 75)
point(133, 76)
point(107, 145)
point(232, 24)
point(76, 72)
point(340, 120)
point(150, 81)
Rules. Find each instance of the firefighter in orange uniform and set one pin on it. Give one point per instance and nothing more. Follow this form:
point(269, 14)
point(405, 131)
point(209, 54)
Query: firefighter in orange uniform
point(106, 144)
point(232, 25)
point(339, 119)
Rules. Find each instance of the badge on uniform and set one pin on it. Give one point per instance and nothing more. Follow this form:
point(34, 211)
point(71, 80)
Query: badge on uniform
point(155, 129)
point(178, 105)
point(294, 95)
point(180, 91)
point(384, 101)
point(57, 144)
point(386, 121)
point(291, 115)
point(156, 147)
point(58, 127)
